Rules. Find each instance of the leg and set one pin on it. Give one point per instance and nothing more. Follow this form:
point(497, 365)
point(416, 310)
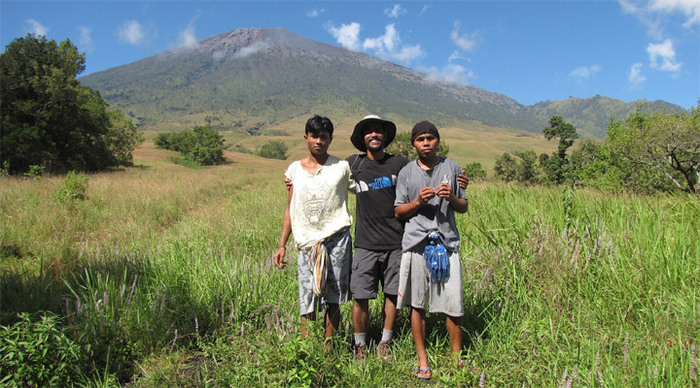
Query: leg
point(360, 315)
point(389, 311)
point(418, 330)
point(454, 329)
point(304, 327)
point(332, 319)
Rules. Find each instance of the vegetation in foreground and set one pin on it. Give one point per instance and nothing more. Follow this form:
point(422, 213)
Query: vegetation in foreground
point(161, 275)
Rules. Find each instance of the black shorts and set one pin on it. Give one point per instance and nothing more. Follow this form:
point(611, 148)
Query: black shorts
point(369, 268)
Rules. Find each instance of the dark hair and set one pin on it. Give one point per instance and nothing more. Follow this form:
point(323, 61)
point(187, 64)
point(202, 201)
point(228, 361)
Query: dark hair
point(317, 124)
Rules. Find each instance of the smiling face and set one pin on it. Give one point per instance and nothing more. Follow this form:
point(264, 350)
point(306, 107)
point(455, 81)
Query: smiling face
point(373, 136)
point(318, 143)
point(426, 145)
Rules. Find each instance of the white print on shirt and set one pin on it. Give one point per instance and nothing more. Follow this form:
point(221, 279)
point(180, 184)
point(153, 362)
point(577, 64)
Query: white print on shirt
point(315, 200)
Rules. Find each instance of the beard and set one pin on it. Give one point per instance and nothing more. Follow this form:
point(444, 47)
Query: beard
point(374, 148)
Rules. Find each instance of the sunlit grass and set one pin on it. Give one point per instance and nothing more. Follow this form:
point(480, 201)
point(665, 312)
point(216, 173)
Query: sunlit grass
point(163, 274)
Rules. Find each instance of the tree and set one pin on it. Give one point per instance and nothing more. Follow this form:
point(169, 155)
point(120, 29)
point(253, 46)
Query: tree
point(506, 167)
point(566, 133)
point(475, 171)
point(527, 168)
point(662, 143)
point(49, 119)
point(557, 168)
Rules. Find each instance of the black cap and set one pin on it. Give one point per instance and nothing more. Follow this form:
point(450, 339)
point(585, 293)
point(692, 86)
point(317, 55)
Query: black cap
point(424, 127)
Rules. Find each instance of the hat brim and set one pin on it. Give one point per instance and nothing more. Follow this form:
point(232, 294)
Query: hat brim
point(358, 140)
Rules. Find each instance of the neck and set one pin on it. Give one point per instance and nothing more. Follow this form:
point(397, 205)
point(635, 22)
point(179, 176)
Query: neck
point(428, 162)
point(375, 155)
point(319, 159)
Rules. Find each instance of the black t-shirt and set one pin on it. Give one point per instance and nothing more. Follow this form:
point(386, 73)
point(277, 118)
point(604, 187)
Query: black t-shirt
point(376, 227)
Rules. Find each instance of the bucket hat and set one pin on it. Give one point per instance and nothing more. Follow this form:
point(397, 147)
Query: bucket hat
point(357, 137)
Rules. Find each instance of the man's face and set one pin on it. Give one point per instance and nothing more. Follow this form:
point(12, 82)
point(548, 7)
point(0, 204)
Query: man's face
point(426, 145)
point(318, 145)
point(373, 135)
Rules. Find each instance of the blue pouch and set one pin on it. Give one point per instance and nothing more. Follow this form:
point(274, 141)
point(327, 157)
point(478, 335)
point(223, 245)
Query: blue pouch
point(436, 259)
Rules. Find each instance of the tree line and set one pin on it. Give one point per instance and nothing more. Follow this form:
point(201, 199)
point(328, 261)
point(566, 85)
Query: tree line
point(647, 152)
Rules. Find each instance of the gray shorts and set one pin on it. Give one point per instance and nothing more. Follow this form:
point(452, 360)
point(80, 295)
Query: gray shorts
point(339, 248)
point(416, 290)
point(369, 268)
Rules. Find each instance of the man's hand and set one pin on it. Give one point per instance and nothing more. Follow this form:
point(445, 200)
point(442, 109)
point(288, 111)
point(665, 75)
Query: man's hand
point(279, 257)
point(426, 194)
point(288, 183)
point(443, 190)
point(462, 180)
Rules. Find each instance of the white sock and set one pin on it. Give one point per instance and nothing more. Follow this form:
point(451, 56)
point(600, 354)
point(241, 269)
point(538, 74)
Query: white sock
point(386, 335)
point(360, 338)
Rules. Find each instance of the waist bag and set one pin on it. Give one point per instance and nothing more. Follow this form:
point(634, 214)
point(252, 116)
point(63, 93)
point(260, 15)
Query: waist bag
point(436, 259)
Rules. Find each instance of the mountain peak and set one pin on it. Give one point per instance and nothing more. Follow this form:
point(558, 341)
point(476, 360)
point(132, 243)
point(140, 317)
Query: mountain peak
point(247, 41)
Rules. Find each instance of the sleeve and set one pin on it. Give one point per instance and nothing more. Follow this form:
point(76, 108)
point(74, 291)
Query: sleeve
point(351, 181)
point(401, 189)
point(289, 173)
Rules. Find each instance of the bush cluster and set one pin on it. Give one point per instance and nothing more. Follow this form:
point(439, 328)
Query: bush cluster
point(202, 145)
point(274, 149)
point(648, 152)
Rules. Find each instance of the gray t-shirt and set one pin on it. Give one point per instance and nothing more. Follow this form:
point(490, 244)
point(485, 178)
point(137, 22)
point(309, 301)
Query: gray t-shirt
point(437, 214)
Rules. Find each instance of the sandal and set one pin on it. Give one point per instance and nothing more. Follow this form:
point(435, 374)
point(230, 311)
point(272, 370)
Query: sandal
point(423, 374)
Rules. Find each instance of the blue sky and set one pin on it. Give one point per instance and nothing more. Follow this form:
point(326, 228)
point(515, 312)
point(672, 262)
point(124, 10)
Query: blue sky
point(531, 51)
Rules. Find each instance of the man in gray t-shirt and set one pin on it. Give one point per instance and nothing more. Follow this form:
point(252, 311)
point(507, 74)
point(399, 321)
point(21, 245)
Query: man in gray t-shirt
point(427, 195)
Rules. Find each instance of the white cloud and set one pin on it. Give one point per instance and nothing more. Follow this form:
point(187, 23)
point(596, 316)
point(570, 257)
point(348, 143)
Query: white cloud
point(690, 8)
point(389, 47)
point(86, 43)
point(386, 42)
point(250, 50)
point(466, 42)
point(36, 28)
point(455, 56)
point(424, 9)
point(645, 16)
point(650, 13)
point(635, 77)
point(132, 32)
point(315, 13)
point(395, 12)
point(585, 72)
point(450, 73)
point(662, 56)
point(187, 38)
point(347, 35)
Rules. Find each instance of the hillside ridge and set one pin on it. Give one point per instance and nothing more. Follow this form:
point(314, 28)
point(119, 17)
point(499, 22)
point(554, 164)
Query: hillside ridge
point(251, 79)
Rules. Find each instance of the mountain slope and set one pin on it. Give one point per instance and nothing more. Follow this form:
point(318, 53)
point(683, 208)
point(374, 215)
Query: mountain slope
point(250, 79)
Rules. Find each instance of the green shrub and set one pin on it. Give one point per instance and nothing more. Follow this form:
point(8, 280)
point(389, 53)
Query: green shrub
point(202, 145)
point(274, 149)
point(475, 171)
point(34, 171)
point(38, 354)
point(73, 188)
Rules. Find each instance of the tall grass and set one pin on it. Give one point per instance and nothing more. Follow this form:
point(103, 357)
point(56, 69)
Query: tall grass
point(163, 276)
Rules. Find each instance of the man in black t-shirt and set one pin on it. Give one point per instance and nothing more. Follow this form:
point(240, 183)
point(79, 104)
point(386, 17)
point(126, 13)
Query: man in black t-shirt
point(378, 233)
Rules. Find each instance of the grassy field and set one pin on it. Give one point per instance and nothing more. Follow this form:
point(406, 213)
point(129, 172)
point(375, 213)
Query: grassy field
point(162, 276)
